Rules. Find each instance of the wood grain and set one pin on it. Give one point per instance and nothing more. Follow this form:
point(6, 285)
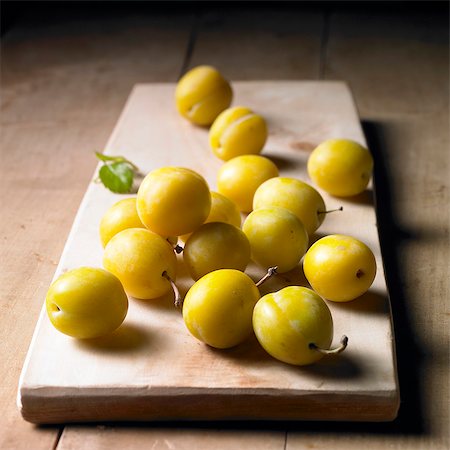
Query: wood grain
point(152, 368)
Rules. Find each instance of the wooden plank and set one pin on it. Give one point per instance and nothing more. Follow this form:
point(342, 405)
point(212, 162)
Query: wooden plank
point(63, 86)
point(136, 438)
point(345, 440)
point(128, 384)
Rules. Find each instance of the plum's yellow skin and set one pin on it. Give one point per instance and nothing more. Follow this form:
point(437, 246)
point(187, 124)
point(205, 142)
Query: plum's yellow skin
point(296, 196)
point(277, 238)
point(240, 177)
point(172, 201)
point(214, 246)
point(172, 240)
point(288, 321)
point(86, 303)
point(139, 257)
point(341, 167)
point(237, 131)
point(202, 94)
point(218, 308)
point(222, 210)
point(339, 268)
point(118, 217)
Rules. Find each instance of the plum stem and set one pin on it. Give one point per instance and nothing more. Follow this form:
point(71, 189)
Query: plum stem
point(271, 271)
point(330, 210)
point(178, 249)
point(178, 302)
point(331, 351)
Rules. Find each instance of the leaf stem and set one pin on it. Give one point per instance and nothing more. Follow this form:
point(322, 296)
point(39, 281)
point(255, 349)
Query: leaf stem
point(110, 158)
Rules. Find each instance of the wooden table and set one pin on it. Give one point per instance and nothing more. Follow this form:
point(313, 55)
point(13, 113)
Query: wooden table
point(66, 74)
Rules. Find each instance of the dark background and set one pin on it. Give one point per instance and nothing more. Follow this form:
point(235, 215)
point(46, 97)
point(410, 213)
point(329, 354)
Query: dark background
point(43, 13)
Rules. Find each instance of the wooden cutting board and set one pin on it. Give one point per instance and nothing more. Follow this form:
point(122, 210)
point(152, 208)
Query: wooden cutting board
point(151, 368)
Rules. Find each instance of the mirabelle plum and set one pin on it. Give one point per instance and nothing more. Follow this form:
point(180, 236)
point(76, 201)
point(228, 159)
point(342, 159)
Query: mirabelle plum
point(86, 303)
point(237, 131)
point(141, 259)
point(202, 94)
point(240, 177)
point(292, 323)
point(214, 246)
point(172, 201)
point(222, 210)
point(172, 240)
point(277, 238)
point(339, 268)
point(341, 167)
point(218, 308)
point(296, 196)
point(118, 217)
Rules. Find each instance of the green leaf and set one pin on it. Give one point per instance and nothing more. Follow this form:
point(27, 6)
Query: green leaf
point(117, 177)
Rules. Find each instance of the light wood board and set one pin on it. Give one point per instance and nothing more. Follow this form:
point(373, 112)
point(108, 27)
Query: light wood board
point(151, 368)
